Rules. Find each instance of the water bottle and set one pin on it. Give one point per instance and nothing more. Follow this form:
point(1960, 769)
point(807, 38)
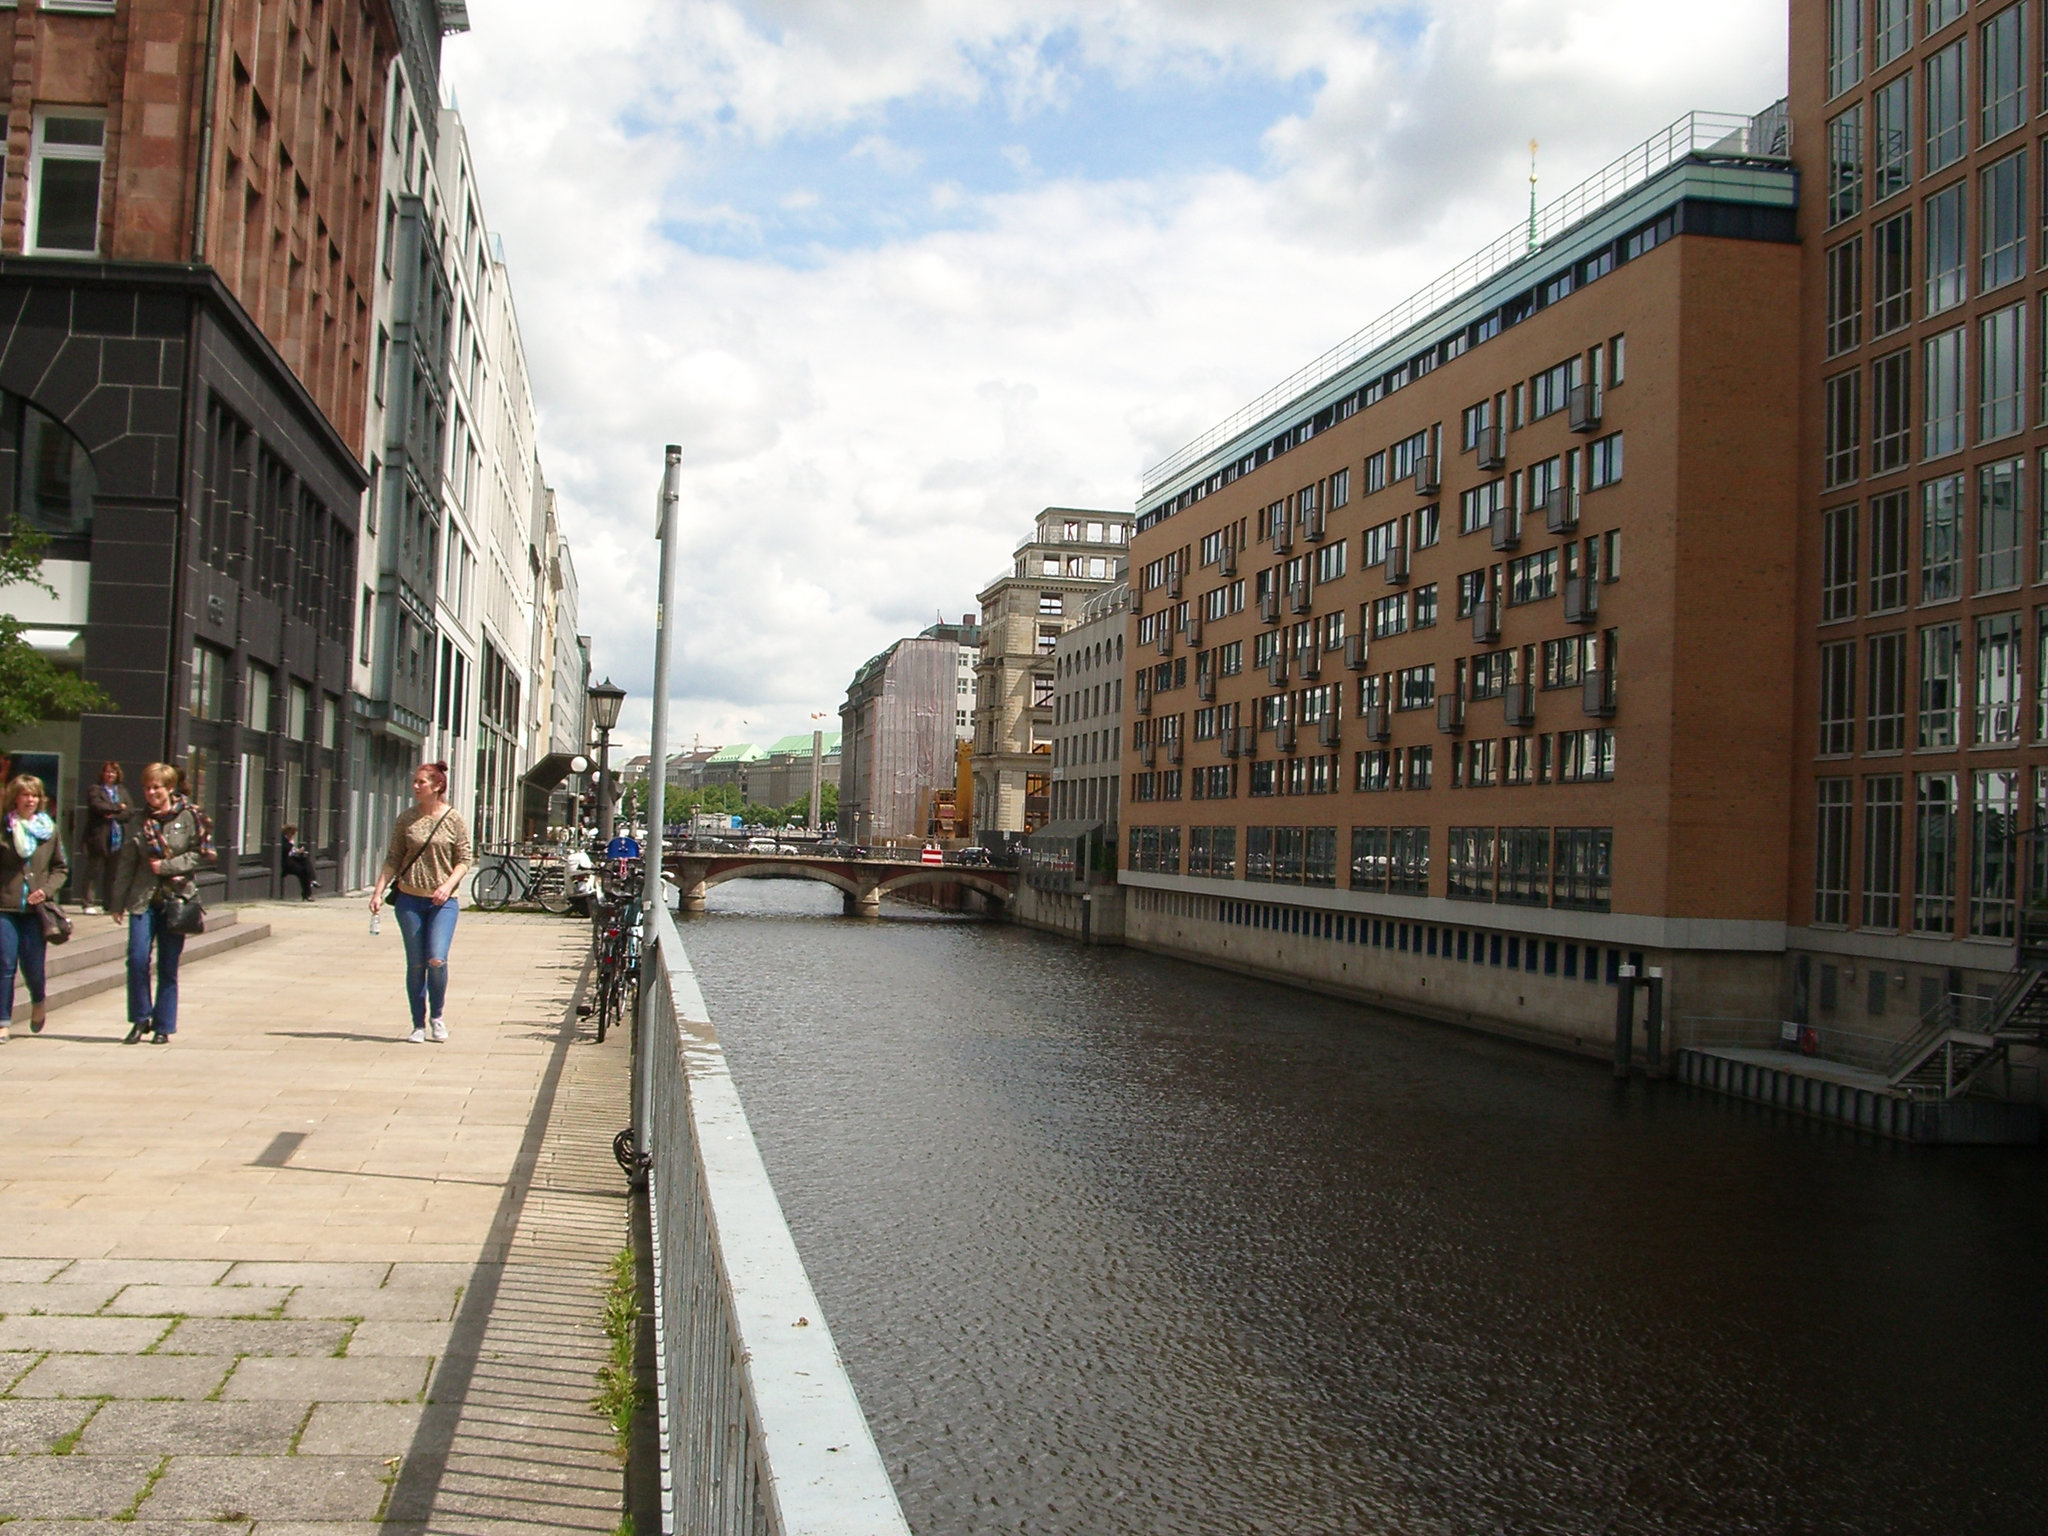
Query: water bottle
point(376, 922)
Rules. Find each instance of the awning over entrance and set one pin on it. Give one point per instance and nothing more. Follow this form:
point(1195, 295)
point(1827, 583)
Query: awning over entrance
point(550, 770)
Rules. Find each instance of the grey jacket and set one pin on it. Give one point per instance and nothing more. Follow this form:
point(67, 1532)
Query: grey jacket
point(188, 846)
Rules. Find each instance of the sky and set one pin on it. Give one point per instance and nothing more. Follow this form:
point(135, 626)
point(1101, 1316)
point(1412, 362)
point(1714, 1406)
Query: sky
point(897, 275)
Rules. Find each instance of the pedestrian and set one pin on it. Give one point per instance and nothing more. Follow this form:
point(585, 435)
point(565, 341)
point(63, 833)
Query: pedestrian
point(424, 866)
point(172, 840)
point(108, 811)
point(32, 869)
point(299, 864)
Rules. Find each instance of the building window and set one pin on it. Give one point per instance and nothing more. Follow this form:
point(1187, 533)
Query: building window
point(2001, 382)
point(1893, 30)
point(207, 696)
point(1838, 699)
point(1582, 874)
point(1470, 864)
point(1831, 853)
point(1845, 296)
point(1885, 730)
point(1891, 168)
point(67, 158)
point(1941, 394)
point(1941, 539)
point(1889, 534)
point(363, 634)
point(1884, 814)
point(1368, 858)
point(2000, 514)
point(1947, 115)
point(2002, 215)
point(1891, 274)
point(1845, 45)
point(1845, 177)
point(1838, 564)
point(1994, 828)
point(1939, 644)
point(1052, 604)
point(1947, 278)
point(2003, 72)
point(1532, 578)
point(1934, 853)
point(1891, 413)
point(1525, 866)
point(1844, 428)
point(1998, 718)
point(1603, 461)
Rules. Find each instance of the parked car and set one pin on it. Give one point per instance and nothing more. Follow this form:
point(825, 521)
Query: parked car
point(974, 857)
point(762, 845)
point(837, 848)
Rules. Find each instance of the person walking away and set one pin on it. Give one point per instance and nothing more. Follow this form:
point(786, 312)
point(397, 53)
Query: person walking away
point(429, 854)
point(32, 869)
point(171, 841)
point(108, 811)
point(298, 863)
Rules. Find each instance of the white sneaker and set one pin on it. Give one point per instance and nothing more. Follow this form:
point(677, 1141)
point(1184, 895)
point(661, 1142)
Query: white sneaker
point(418, 1037)
point(437, 1030)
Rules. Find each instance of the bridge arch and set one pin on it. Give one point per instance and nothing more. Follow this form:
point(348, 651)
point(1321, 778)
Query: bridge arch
point(774, 869)
point(946, 874)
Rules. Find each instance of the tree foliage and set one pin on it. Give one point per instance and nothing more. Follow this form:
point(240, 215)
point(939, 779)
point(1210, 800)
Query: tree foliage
point(726, 799)
point(32, 687)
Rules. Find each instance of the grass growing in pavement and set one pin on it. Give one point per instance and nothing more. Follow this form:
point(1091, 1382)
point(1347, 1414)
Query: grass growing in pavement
point(618, 1394)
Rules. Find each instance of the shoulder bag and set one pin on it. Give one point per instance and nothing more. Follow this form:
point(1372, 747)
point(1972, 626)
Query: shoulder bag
point(179, 907)
point(56, 923)
point(425, 843)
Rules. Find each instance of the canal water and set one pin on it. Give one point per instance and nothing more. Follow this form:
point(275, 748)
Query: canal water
point(1112, 1243)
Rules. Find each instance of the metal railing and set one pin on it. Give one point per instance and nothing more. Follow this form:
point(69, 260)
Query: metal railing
point(761, 1434)
point(1846, 1047)
point(1723, 134)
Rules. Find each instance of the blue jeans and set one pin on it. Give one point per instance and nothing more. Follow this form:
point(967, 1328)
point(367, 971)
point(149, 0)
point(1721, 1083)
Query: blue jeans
point(21, 945)
point(428, 931)
point(146, 928)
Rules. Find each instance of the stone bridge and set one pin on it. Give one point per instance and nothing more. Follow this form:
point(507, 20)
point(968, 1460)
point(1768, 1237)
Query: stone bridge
point(862, 883)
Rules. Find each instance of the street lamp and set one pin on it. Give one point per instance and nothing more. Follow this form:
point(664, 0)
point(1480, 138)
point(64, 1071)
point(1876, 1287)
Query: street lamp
point(605, 699)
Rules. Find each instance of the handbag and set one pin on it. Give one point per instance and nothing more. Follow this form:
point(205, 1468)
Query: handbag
point(181, 911)
point(56, 922)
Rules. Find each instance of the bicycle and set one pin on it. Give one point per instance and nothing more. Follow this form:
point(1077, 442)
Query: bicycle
point(506, 875)
point(616, 937)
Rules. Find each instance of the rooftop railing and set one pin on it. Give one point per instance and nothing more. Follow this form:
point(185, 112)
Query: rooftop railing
point(1727, 135)
point(761, 1434)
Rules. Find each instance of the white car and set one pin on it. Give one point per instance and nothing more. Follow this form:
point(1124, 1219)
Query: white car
point(762, 845)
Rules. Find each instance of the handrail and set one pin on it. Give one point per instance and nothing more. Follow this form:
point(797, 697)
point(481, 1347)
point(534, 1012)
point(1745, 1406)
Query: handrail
point(760, 1431)
point(1732, 135)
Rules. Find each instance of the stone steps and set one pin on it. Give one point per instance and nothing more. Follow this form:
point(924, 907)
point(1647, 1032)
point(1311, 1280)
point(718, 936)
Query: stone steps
point(95, 960)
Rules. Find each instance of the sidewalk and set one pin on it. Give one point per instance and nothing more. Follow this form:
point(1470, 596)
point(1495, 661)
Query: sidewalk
point(291, 1274)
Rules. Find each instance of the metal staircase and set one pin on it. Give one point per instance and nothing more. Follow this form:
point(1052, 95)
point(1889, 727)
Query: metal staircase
point(1947, 1055)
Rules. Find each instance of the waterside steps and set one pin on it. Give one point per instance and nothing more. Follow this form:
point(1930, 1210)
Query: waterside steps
point(95, 959)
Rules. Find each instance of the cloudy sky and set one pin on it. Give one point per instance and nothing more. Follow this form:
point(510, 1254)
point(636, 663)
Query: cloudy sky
point(896, 275)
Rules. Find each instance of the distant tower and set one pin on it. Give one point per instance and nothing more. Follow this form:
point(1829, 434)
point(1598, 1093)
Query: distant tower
point(1532, 194)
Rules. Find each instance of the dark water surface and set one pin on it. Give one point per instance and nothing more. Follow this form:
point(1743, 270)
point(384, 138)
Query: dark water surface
point(1116, 1244)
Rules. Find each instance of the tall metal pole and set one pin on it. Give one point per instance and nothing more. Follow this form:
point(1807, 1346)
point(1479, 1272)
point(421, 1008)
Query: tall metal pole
point(657, 771)
point(604, 786)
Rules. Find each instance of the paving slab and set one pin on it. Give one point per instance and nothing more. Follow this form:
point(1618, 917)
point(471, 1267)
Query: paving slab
point(415, 1215)
point(360, 1429)
point(218, 1488)
point(125, 1376)
point(72, 1487)
point(100, 1335)
point(194, 1429)
point(302, 1378)
point(29, 1427)
point(218, 1336)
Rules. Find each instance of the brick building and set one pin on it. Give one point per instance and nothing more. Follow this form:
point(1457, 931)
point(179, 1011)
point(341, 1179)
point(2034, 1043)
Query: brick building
point(1459, 674)
point(187, 237)
point(1923, 635)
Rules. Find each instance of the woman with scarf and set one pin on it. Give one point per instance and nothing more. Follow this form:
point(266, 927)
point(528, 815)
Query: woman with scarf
point(171, 841)
point(32, 869)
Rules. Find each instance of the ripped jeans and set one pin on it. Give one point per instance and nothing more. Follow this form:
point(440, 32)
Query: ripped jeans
point(428, 931)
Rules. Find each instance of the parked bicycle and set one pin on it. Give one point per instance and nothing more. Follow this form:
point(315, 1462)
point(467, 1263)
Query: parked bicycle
point(510, 874)
point(616, 935)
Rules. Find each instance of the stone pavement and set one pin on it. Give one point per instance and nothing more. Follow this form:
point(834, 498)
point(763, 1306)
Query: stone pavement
point(291, 1274)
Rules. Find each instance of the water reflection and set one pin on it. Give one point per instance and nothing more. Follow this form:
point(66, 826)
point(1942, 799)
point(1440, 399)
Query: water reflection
point(1113, 1243)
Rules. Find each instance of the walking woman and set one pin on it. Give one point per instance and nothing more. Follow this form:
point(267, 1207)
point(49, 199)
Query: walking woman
point(32, 870)
point(424, 866)
point(107, 811)
point(173, 841)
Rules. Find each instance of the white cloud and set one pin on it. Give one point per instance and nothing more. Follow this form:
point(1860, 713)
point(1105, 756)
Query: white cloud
point(867, 432)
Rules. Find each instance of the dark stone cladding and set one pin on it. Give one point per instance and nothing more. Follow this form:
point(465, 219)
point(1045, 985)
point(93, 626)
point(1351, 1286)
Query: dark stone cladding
point(127, 354)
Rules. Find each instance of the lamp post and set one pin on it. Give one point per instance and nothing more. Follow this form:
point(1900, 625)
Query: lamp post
point(605, 699)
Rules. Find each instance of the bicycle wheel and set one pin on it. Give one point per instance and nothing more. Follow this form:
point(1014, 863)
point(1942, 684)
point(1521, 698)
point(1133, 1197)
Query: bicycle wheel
point(607, 1002)
point(551, 890)
point(492, 887)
